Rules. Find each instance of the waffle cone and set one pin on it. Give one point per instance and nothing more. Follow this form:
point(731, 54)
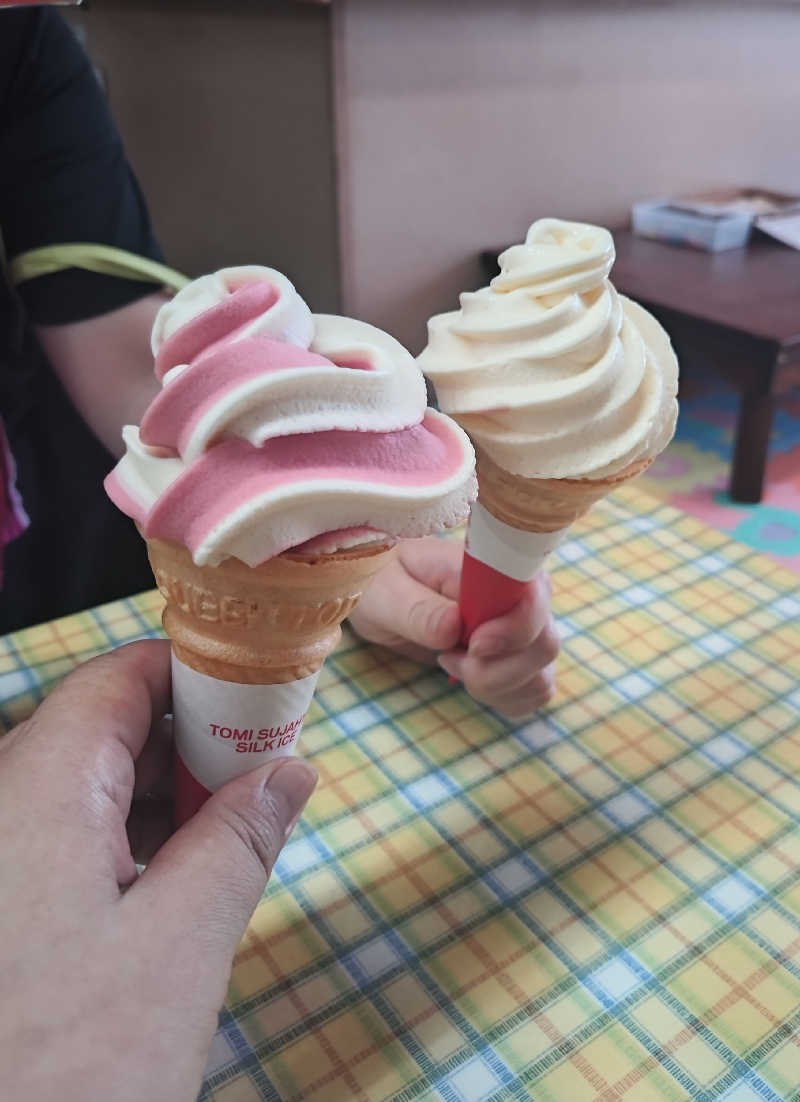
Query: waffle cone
point(542, 504)
point(262, 625)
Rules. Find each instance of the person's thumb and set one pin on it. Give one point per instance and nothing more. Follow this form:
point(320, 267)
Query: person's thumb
point(213, 870)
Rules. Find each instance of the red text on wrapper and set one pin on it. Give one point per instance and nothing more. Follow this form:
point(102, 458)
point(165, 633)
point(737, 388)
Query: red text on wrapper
point(252, 740)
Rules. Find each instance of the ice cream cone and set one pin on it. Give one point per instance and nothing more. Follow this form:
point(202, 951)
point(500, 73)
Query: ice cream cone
point(542, 504)
point(274, 429)
point(248, 644)
point(550, 372)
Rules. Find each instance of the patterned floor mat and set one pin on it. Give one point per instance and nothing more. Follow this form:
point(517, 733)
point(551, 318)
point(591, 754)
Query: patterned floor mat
point(693, 472)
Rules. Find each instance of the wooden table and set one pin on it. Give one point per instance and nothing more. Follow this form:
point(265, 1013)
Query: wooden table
point(739, 310)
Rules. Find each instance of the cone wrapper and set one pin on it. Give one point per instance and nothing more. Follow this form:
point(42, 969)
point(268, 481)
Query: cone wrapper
point(248, 644)
point(514, 526)
point(499, 562)
point(223, 729)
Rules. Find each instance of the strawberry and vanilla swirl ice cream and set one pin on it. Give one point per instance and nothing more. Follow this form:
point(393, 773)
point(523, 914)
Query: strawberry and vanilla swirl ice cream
point(284, 455)
point(279, 429)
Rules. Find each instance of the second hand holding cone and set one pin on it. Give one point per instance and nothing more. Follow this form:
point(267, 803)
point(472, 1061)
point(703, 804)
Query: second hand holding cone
point(567, 390)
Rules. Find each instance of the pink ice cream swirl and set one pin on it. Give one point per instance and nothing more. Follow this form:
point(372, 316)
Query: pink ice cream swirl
point(275, 427)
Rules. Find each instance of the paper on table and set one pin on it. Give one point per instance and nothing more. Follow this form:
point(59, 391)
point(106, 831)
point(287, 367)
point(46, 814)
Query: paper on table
point(783, 227)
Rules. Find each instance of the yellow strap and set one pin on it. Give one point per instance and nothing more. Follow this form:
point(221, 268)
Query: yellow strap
point(94, 258)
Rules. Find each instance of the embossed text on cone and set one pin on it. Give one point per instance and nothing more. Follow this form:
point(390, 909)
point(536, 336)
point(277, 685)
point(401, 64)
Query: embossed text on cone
point(260, 625)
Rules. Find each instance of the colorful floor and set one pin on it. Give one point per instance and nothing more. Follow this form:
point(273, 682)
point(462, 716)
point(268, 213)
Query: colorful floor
point(693, 472)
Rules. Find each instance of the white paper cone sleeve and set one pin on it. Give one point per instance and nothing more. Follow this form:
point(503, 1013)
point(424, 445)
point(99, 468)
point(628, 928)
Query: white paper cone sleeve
point(499, 562)
point(223, 729)
point(510, 551)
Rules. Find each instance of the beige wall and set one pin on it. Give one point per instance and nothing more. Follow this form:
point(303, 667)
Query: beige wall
point(225, 111)
point(461, 122)
point(457, 123)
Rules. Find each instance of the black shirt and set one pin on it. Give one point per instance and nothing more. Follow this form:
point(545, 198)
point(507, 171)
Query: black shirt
point(63, 178)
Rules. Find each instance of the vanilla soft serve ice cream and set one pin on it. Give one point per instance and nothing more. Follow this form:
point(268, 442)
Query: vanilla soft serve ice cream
point(549, 370)
point(567, 390)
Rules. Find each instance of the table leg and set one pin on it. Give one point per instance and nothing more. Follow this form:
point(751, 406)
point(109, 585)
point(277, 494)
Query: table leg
point(751, 446)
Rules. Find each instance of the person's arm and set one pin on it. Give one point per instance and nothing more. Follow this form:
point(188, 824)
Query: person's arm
point(106, 366)
point(113, 982)
point(68, 181)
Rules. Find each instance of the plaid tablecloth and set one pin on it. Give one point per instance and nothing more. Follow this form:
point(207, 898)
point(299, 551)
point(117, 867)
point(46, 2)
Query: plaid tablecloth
point(601, 903)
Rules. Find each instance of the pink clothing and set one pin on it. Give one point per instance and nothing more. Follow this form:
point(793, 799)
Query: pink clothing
point(13, 518)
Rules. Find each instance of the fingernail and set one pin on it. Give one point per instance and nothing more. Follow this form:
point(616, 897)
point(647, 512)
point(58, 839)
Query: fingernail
point(490, 648)
point(293, 781)
point(450, 666)
point(444, 663)
point(451, 677)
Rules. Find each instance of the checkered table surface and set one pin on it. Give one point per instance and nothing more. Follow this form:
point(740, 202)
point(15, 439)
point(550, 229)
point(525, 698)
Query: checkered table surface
point(601, 903)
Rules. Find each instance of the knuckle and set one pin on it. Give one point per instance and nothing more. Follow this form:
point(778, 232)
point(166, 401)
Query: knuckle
point(417, 612)
point(112, 762)
point(548, 646)
point(520, 709)
point(257, 827)
point(104, 680)
point(423, 617)
point(22, 731)
point(483, 679)
point(536, 695)
point(545, 688)
point(493, 680)
point(545, 696)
